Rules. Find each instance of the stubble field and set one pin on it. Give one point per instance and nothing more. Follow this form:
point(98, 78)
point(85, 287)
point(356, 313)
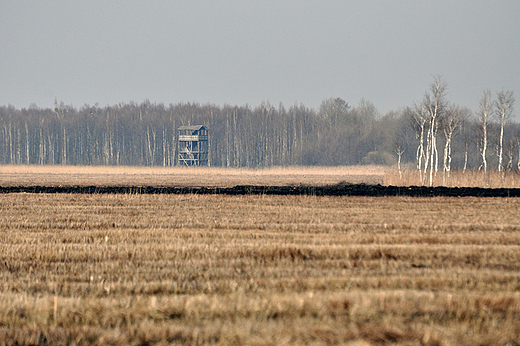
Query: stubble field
point(258, 270)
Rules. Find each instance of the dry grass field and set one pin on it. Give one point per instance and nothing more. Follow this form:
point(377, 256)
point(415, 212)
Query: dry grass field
point(31, 175)
point(184, 176)
point(493, 179)
point(258, 270)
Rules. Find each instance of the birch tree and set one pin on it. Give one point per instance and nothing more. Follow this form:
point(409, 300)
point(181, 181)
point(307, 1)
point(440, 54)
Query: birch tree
point(483, 118)
point(435, 104)
point(503, 113)
point(418, 120)
point(450, 125)
point(510, 152)
point(517, 138)
point(399, 151)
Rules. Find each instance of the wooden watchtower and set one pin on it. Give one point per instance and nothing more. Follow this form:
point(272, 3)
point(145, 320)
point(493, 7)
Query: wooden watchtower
point(193, 145)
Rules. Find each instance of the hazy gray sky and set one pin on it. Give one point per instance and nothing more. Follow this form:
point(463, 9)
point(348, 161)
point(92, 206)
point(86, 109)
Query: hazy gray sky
point(238, 52)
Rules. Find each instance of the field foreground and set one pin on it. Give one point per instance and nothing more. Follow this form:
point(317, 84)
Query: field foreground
point(262, 270)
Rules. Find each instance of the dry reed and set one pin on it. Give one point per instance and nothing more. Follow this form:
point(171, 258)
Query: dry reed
point(469, 178)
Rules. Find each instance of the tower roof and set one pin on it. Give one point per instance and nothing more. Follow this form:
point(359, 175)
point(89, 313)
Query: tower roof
point(191, 127)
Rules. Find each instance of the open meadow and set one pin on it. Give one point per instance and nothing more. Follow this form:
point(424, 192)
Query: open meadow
point(186, 176)
point(37, 175)
point(119, 269)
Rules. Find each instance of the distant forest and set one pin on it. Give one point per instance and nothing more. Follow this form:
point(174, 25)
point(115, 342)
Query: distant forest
point(434, 132)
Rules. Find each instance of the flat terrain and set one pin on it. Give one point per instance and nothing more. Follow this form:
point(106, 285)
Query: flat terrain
point(264, 270)
point(32, 175)
point(126, 176)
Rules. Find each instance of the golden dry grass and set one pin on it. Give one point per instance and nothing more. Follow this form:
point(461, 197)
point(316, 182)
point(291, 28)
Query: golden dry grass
point(258, 270)
point(12, 175)
point(493, 179)
point(183, 176)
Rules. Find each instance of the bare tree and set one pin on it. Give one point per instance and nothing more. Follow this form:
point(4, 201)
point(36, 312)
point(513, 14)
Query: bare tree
point(467, 137)
point(366, 113)
point(450, 124)
point(435, 104)
point(517, 138)
point(503, 112)
point(510, 152)
point(483, 118)
point(399, 151)
point(334, 112)
point(418, 119)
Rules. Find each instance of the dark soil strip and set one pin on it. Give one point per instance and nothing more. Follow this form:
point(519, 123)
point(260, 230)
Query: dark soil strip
point(328, 190)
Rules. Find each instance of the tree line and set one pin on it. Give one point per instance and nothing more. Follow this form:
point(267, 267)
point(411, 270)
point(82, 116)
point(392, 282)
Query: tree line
point(490, 129)
point(431, 135)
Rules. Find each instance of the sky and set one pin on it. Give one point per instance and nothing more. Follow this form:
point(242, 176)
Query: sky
point(249, 51)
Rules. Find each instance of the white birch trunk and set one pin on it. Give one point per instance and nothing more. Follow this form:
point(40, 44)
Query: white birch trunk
point(27, 153)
